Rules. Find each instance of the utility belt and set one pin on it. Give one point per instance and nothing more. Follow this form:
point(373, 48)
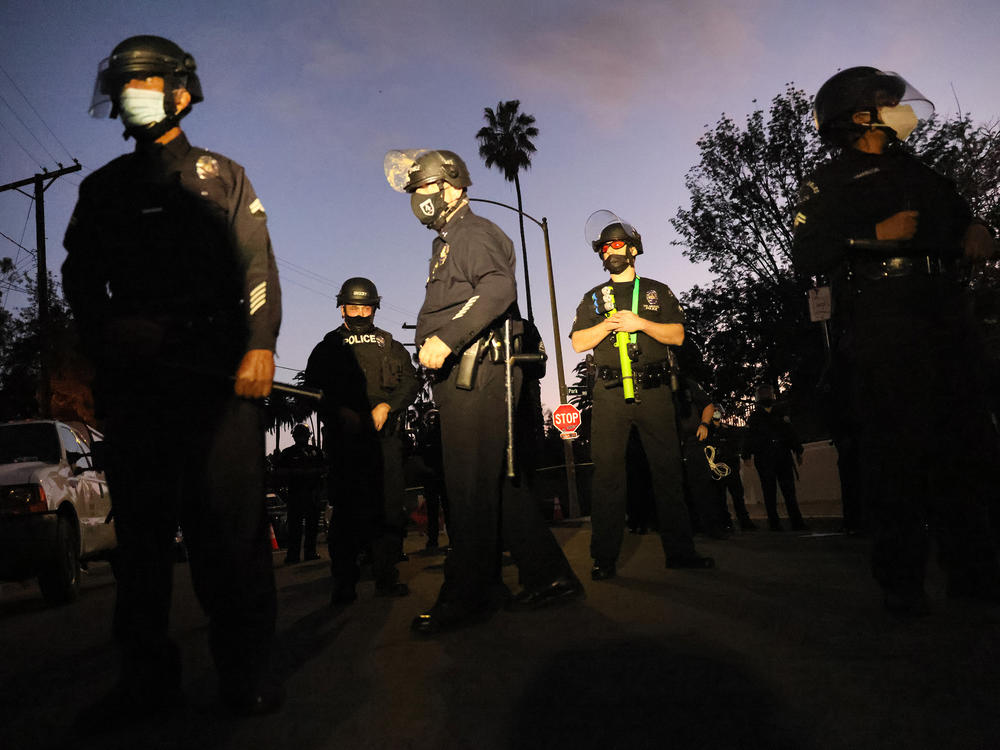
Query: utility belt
point(646, 377)
point(488, 347)
point(891, 268)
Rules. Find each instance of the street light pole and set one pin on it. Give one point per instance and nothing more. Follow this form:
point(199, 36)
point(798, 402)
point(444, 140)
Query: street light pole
point(574, 505)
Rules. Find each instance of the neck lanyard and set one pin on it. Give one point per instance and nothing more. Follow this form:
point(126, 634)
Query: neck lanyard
point(635, 305)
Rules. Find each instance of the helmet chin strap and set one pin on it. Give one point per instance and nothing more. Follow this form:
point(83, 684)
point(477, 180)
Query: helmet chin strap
point(446, 216)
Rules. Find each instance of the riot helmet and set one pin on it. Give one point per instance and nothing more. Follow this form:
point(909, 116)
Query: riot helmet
point(891, 102)
point(358, 291)
point(407, 170)
point(765, 395)
point(604, 226)
point(140, 57)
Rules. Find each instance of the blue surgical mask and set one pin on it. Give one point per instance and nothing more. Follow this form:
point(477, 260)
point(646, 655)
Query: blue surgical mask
point(141, 107)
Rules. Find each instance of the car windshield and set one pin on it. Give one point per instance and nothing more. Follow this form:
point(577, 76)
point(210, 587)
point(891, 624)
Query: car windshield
point(29, 442)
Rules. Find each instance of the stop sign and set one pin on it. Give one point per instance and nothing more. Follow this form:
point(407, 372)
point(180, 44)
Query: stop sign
point(566, 419)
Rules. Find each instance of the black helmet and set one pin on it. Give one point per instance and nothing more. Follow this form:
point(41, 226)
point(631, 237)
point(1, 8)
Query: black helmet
point(408, 170)
point(765, 392)
point(141, 57)
point(604, 226)
point(301, 429)
point(862, 89)
point(358, 291)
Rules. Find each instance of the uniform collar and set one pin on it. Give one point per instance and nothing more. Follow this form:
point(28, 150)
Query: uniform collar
point(455, 220)
point(172, 151)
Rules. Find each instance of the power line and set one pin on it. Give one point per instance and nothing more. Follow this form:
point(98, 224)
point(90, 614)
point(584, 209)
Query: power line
point(21, 145)
point(26, 101)
point(336, 285)
point(326, 296)
point(25, 126)
point(11, 239)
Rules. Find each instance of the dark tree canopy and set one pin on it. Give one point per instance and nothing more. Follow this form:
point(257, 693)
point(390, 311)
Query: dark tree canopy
point(752, 322)
point(506, 140)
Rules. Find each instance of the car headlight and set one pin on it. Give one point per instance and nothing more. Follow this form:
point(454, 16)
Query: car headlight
point(23, 498)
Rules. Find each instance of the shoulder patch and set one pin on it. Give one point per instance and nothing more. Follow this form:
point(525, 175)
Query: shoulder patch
point(807, 191)
point(257, 208)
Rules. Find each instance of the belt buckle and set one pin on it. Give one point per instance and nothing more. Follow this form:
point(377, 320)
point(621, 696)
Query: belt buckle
point(892, 267)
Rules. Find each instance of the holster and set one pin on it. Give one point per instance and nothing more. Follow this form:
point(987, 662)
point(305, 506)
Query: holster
point(468, 363)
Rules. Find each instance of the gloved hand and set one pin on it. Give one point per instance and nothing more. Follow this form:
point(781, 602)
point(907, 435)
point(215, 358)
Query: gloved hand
point(899, 226)
point(255, 374)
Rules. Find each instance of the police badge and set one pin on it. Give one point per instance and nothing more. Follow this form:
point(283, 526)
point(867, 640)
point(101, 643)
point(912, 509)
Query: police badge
point(206, 167)
point(652, 298)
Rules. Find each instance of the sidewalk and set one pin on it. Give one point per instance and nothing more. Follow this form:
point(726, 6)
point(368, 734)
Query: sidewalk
point(784, 645)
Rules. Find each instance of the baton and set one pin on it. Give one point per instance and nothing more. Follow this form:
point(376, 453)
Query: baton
point(607, 304)
point(510, 360)
point(293, 390)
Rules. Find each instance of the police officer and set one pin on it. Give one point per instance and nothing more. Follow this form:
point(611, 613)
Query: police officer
point(301, 469)
point(890, 234)
point(470, 291)
point(368, 382)
point(650, 315)
point(727, 453)
point(694, 409)
point(771, 441)
point(174, 288)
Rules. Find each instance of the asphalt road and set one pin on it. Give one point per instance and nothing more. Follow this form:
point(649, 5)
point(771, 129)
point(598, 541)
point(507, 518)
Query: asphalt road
point(784, 645)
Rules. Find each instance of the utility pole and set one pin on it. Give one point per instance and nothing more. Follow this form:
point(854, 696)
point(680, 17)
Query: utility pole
point(41, 183)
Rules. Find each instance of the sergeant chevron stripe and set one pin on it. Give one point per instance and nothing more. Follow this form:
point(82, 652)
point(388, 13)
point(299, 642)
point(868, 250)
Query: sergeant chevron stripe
point(258, 297)
point(466, 308)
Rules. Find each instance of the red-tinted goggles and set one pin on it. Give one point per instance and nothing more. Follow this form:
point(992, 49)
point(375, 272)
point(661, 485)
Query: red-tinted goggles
point(615, 245)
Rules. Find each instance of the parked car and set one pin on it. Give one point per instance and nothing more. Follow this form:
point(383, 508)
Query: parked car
point(55, 509)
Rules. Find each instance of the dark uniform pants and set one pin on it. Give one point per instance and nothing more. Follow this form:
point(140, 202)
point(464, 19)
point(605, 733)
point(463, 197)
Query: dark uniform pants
point(366, 489)
point(473, 439)
point(706, 495)
point(654, 420)
point(928, 457)
point(201, 466)
point(303, 510)
point(774, 473)
point(733, 483)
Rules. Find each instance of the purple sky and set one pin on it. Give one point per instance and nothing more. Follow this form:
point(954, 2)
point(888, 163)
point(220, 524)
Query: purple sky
point(310, 95)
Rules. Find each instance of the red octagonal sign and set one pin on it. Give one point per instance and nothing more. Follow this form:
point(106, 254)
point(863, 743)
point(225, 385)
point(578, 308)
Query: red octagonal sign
point(566, 419)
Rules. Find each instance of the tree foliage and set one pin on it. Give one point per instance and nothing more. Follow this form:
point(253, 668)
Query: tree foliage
point(744, 188)
point(506, 143)
point(21, 350)
point(751, 322)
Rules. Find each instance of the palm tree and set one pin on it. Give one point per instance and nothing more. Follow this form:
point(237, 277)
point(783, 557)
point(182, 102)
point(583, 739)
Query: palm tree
point(505, 143)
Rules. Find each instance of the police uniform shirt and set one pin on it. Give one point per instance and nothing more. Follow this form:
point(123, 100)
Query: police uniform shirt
point(301, 466)
point(770, 436)
point(470, 283)
point(656, 303)
point(846, 197)
point(692, 402)
point(359, 370)
point(173, 232)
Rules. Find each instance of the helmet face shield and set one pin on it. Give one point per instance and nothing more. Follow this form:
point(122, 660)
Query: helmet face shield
point(604, 226)
point(397, 166)
point(139, 58)
point(864, 89)
point(407, 170)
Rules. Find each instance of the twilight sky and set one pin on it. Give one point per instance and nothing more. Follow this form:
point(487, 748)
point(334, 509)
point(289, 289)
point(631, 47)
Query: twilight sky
point(309, 96)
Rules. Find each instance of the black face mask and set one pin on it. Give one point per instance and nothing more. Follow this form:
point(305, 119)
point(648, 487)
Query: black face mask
point(766, 402)
point(616, 264)
point(360, 323)
point(429, 209)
